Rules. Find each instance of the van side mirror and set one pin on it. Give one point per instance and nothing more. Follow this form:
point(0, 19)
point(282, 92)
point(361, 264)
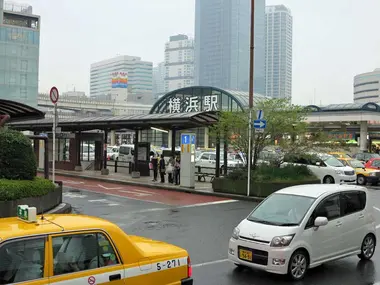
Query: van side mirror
point(318, 163)
point(320, 221)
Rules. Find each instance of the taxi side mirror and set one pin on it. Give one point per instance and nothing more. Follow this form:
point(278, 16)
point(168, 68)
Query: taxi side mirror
point(320, 221)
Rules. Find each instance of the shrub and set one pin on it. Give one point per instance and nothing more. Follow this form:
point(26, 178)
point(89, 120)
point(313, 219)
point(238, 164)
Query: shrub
point(17, 159)
point(18, 189)
point(266, 173)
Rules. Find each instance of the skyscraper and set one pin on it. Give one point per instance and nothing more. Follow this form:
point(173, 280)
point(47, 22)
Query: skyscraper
point(19, 53)
point(278, 51)
point(222, 42)
point(179, 63)
point(158, 80)
point(139, 74)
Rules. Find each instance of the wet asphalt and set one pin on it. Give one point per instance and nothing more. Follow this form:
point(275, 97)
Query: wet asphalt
point(205, 231)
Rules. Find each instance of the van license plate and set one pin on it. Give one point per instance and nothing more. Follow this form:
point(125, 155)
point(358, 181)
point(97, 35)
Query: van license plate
point(245, 254)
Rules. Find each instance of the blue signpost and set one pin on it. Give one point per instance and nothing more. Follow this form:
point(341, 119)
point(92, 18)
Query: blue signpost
point(260, 124)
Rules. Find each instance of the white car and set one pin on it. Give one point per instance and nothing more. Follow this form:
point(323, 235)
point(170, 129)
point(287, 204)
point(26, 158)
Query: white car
point(328, 168)
point(304, 226)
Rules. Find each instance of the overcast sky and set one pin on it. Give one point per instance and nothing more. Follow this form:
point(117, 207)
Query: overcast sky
point(333, 40)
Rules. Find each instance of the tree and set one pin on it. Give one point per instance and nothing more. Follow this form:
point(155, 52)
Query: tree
point(286, 127)
point(17, 159)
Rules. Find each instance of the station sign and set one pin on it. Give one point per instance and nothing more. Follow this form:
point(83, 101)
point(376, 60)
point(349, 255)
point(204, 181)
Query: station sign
point(193, 104)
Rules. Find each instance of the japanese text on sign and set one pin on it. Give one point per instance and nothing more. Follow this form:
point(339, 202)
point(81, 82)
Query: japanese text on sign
point(192, 104)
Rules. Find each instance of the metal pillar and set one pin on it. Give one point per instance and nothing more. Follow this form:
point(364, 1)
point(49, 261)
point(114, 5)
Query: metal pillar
point(113, 137)
point(217, 166)
point(137, 137)
point(206, 138)
point(173, 134)
point(105, 149)
point(363, 136)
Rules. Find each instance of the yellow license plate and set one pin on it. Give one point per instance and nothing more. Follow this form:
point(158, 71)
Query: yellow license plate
point(245, 254)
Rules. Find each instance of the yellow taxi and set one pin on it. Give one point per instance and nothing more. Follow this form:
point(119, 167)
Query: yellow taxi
point(364, 175)
point(339, 154)
point(76, 249)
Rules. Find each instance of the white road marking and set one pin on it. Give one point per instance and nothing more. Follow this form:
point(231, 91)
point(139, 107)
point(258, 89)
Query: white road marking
point(98, 200)
point(72, 182)
point(73, 195)
point(144, 191)
point(378, 226)
point(115, 195)
point(377, 209)
point(210, 263)
point(135, 193)
point(208, 203)
point(110, 188)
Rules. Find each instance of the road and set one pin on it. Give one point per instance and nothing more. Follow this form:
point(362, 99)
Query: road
point(202, 225)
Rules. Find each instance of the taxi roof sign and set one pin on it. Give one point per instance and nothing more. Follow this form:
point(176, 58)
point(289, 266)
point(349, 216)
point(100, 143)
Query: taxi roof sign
point(26, 213)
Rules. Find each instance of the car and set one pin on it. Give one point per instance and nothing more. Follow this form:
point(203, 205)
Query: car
point(301, 227)
point(326, 167)
point(79, 249)
point(364, 175)
point(373, 163)
point(365, 156)
point(339, 154)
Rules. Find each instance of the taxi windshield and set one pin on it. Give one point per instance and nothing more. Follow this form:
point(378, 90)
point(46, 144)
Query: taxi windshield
point(282, 210)
point(356, 163)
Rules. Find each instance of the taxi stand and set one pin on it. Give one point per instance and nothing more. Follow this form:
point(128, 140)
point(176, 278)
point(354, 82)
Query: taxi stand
point(188, 160)
point(136, 260)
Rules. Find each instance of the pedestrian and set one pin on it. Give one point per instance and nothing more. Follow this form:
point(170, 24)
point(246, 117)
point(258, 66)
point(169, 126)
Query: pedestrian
point(170, 169)
point(177, 171)
point(162, 168)
point(154, 162)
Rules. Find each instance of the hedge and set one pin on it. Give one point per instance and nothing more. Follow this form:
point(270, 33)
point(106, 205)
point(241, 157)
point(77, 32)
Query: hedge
point(18, 189)
point(17, 158)
point(264, 173)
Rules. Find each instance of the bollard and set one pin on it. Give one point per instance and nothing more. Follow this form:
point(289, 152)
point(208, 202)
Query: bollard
point(115, 165)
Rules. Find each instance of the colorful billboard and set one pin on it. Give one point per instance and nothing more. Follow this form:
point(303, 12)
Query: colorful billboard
point(120, 80)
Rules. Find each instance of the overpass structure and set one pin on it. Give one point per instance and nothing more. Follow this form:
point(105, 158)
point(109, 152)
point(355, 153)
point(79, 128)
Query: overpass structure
point(84, 106)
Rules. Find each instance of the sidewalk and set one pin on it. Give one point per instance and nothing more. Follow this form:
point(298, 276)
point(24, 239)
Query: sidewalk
point(203, 188)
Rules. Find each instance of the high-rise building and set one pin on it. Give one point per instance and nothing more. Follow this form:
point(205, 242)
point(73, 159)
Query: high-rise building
point(179, 63)
point(19, 53)
point(158, 80)
point(278, 51)
point(139, 75)
point(367, 87)
point(222, 44)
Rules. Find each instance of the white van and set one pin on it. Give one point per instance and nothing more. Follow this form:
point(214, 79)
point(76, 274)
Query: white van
point(327, 168)
point(126, 152)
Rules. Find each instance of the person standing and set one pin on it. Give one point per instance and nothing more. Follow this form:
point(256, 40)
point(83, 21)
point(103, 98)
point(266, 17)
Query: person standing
point(154, 161)
point(170, 169)
point(177, 171)
point(162, 168)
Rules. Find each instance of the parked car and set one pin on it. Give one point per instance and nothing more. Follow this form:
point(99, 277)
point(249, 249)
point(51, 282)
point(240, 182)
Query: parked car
point(365, 156)
point(326, 167)
point(373, 163)
point(340, 154)
point(363, 175)
point(302, 227)
point(207, 160)
point(113, 152)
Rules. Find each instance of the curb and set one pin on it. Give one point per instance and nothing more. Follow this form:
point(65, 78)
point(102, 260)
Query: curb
point(162, 187)
point(63, 208)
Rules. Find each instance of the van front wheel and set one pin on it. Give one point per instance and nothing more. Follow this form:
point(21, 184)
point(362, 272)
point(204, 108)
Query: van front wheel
point(361, 180)
point(328, 180)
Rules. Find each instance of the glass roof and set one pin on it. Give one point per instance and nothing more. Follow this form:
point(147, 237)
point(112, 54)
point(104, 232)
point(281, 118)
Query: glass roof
point(19, 111)
point(370, 106)
point(243, 97)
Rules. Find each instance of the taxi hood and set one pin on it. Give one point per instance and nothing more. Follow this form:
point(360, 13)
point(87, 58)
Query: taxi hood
point(154, 248)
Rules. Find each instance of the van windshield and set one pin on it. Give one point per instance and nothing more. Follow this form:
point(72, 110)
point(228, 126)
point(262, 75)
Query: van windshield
point(282, 210)
point(332, 161)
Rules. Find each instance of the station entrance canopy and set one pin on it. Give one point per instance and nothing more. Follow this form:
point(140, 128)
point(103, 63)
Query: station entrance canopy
point(13, 111)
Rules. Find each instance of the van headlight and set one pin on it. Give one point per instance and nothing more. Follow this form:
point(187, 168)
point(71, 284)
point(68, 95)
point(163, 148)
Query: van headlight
point(235, 233)
point(339, 172)
point(281, 241)
point(372, 174)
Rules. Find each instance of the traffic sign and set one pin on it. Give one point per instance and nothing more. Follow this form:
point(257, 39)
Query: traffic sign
point(185, 139)
point(54, 95)
point(260, 114)
point(260, 124)
point(193, 139)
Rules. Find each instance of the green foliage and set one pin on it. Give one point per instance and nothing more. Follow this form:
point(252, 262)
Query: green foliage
point(17, 189)
point(264, 173)
point(17, 158)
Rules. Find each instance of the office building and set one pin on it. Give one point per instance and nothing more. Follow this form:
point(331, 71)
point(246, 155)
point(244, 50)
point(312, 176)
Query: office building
point(222, 44)
point(278, 51)
point(139, 75)
point(367, 87)
point(19, 53)
point(158, 80)
point(179, 63)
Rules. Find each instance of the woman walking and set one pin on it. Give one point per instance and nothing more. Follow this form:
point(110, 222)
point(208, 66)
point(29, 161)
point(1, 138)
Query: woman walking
point(162, 168)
